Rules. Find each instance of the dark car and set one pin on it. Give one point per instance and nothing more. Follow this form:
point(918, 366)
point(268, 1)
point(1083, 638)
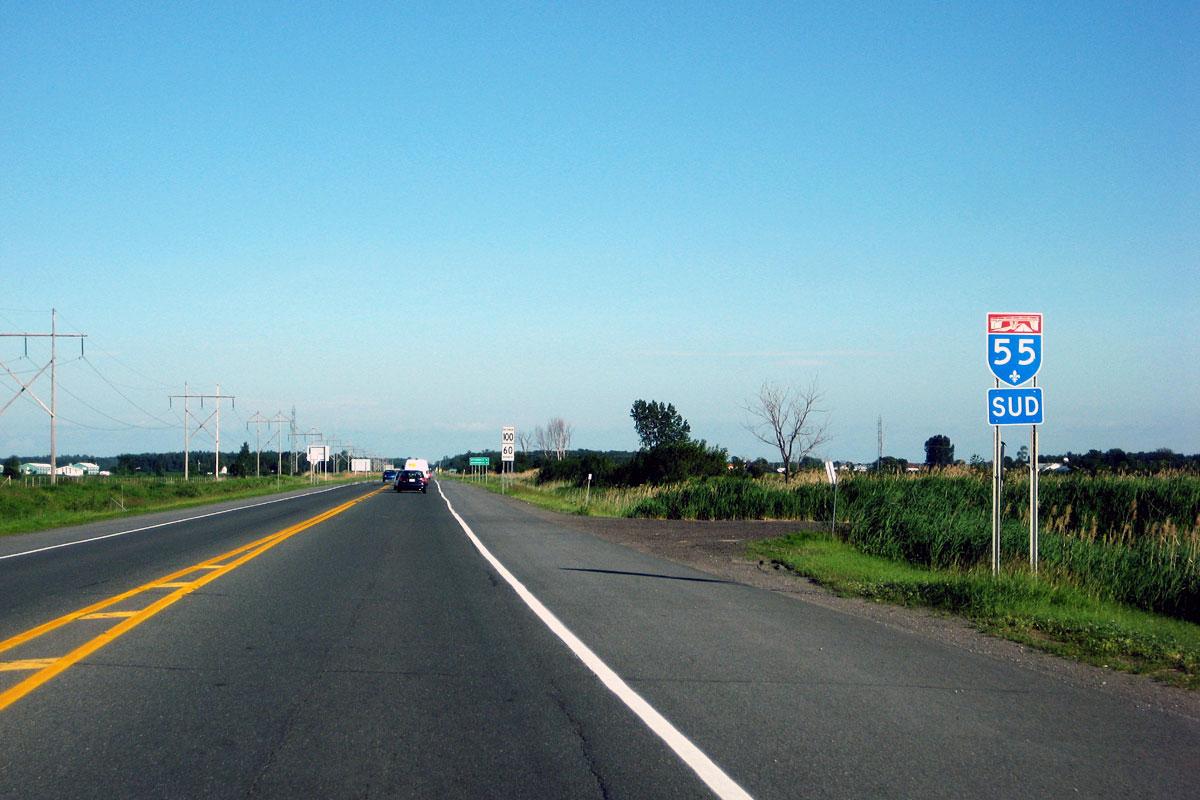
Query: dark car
point(410, 480)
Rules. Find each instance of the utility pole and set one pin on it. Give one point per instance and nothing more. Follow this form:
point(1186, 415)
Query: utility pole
point(879, 433)
point(278, 419)
point(334, 444)
point(216, 432)
point(257, 421)
point(52, 409)
point(292, 440)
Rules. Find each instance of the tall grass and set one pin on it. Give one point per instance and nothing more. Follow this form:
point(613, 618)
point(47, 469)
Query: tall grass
point(27, 507)
point(566, 497)
point(1131, 539)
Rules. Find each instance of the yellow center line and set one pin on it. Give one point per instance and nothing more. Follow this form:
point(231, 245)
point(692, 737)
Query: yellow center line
point(110, 615)
point(54, 667)
point(27, 664)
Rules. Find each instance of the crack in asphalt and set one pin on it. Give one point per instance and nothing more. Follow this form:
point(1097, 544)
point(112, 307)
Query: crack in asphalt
point(584, 746)
point(255, 787)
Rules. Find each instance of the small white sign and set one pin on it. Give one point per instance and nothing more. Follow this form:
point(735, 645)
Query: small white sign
point(831, 473)
point(318, 453)
point(508, 439)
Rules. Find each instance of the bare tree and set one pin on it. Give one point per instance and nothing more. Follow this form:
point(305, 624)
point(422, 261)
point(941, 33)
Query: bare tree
point(558, 435)
point(524, 440)
point(543, 441)
point(786, 418)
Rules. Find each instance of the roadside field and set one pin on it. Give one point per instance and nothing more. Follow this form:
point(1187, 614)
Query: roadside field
point(25, 508)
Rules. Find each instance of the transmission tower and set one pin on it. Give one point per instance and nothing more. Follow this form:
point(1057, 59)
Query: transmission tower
point(214, 417)
point(51, 409)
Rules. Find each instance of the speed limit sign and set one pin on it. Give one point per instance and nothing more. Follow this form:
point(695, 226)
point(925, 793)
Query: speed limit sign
point(508, 440)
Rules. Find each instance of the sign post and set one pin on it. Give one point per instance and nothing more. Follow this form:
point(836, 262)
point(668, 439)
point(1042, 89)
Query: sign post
point(1014, 356)
point(479, 465)
point(317, 454)
point(508, 448)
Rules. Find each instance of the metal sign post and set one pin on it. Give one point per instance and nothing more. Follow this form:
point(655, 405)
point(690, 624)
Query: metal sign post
point(1033, 497)
point(479, 465)
point(997, 497)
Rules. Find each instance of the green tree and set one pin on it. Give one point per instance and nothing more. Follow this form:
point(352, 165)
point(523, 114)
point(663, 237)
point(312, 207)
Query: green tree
point(243, 463)
point(659, 424)
point(12, 467)
point(938, 451)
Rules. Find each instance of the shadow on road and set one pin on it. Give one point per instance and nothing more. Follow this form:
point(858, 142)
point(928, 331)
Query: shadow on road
point(644, 575)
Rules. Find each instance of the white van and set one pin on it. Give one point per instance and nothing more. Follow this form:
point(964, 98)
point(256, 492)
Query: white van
point(418, 463)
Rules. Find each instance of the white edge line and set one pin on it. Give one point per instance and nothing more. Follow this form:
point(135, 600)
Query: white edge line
point(171, 522)
point(712, 775)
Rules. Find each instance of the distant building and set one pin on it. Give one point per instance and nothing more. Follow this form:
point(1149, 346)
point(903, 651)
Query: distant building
point(35, 469)
point(87, 467)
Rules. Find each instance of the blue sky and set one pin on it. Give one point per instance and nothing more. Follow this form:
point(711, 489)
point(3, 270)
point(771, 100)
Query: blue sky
point(417, 223)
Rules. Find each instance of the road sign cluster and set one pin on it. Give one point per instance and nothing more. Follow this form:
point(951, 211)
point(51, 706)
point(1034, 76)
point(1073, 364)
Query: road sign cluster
point(1014, 355)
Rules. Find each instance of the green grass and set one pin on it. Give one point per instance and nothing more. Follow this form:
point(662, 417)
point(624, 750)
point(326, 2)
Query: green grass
point(563, 496)
point(25, 508)
point(1136, 542)
point(1050, 615)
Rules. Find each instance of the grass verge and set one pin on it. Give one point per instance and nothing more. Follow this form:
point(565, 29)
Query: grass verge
point(564, 497)
point(32, 508)
point(1049, 615)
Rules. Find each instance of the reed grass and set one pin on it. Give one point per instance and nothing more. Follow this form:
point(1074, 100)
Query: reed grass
point(1129, 539)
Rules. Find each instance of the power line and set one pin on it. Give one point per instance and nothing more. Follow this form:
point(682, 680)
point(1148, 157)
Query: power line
point(126, 399)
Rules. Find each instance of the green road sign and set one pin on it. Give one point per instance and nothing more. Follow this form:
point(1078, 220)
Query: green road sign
point(480, 461)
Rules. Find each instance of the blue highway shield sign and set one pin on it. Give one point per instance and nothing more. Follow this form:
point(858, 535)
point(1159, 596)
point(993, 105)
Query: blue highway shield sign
point(1015, 406)
point(1014, 346)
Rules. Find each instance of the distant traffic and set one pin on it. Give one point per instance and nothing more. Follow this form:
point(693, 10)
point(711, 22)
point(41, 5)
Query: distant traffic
point(413, 478)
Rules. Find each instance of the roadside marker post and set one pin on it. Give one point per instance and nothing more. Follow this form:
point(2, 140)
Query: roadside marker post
point(1014, 356)
point(831, 474)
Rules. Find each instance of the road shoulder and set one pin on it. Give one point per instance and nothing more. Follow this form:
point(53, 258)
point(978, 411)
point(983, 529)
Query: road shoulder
point(718, 548)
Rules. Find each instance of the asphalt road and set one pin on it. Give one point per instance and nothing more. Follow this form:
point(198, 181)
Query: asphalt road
point(376, 653)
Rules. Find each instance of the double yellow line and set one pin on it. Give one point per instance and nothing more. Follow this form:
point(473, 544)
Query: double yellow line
point(180, 584)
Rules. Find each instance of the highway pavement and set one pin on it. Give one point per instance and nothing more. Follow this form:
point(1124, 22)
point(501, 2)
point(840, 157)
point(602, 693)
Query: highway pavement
point(356, 643)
